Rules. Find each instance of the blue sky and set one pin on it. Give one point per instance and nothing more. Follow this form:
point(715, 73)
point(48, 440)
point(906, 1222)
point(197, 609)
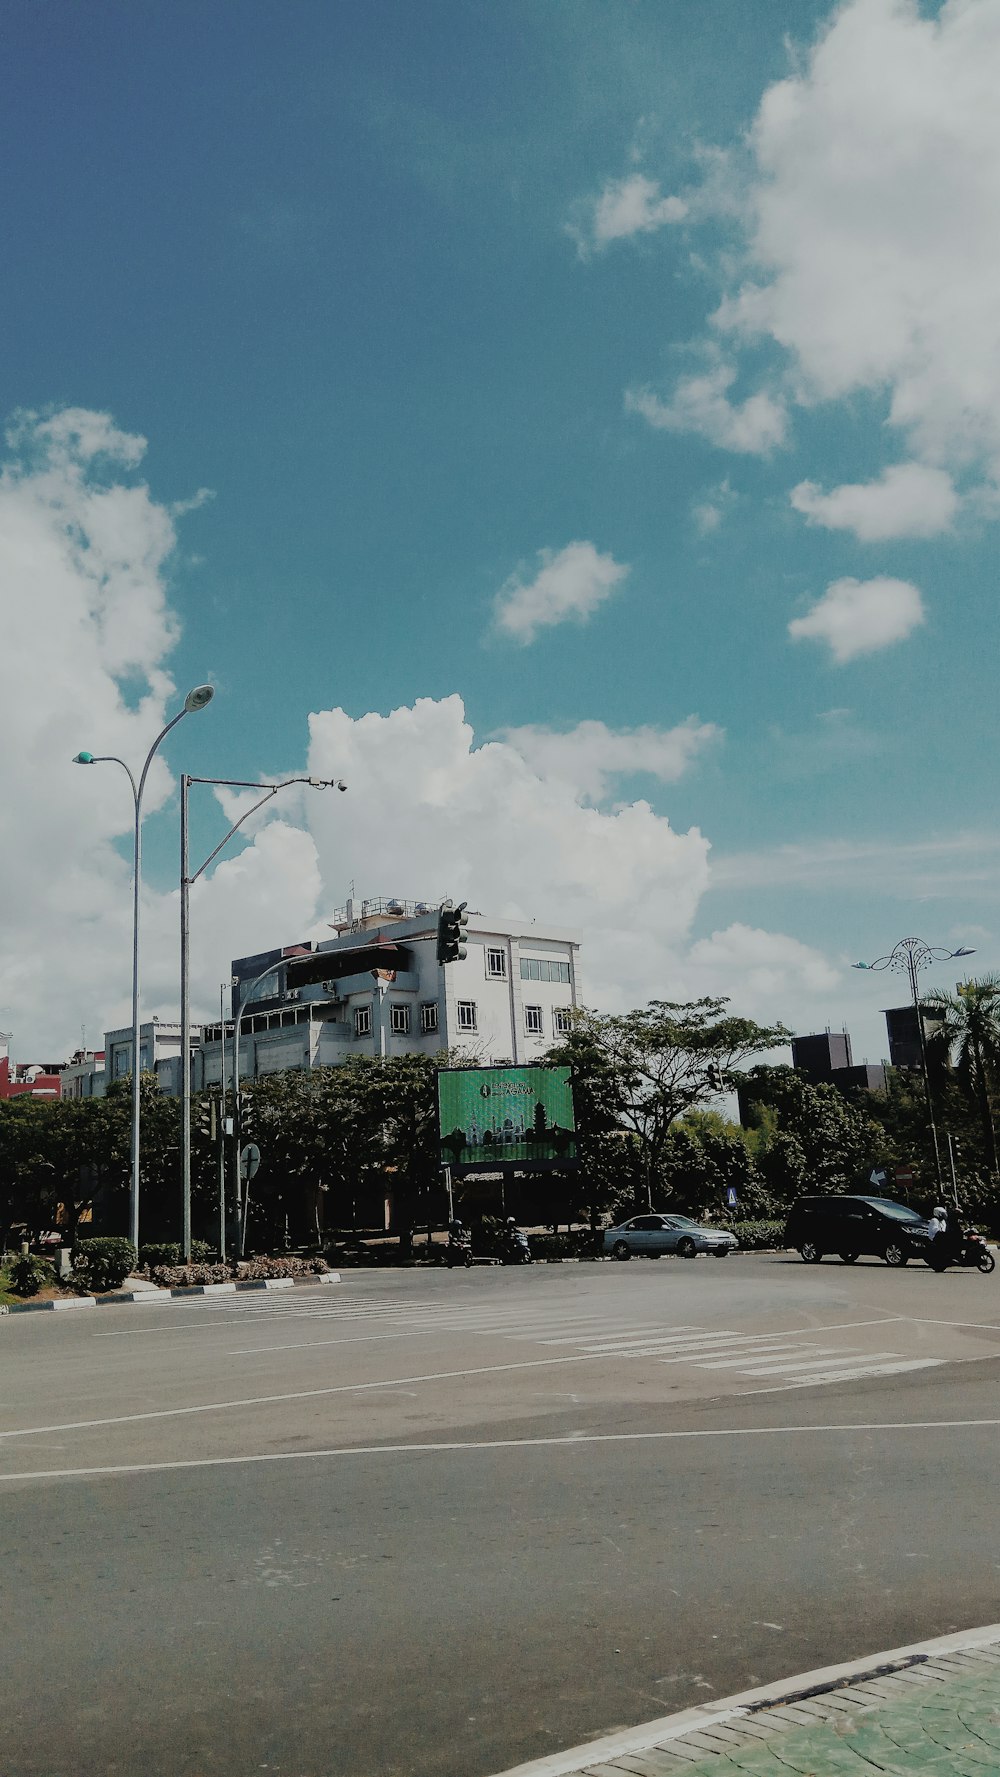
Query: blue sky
point(558, 357)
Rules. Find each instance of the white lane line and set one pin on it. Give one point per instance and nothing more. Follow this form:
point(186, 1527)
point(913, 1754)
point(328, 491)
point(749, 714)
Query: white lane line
point(573, 1441)
point(300, 1394)
point(830, 1361)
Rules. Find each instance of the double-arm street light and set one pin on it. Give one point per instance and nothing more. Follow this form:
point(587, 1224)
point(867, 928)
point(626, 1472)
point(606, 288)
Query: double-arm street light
point(188, 878)
point(908, 957)
point(194, 701)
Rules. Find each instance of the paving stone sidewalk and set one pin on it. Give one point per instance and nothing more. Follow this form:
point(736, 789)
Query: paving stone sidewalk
point(930, 1712)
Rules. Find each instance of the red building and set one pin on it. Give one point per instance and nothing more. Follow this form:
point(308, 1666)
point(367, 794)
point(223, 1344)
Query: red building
point(40, 1079)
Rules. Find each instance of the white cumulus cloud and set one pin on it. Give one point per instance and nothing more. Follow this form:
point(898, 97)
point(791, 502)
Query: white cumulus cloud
point(590, 755)
point(857, 617)
point(874, 256)
point(625, 207)
point(907, 500)
point(570, 584)
point(701, 403)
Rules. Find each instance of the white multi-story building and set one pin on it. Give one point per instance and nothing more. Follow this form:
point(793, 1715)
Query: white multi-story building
point(377, 989)
point(159, 1052)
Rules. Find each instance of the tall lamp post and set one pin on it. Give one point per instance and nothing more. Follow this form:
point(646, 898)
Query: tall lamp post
point(195, 700)
point(188, 878)
point(908, 957)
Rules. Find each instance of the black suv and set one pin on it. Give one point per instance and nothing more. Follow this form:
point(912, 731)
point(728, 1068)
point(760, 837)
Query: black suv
point(850, 1226)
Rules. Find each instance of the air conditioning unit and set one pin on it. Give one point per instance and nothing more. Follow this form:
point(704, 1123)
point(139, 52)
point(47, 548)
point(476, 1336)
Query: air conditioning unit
point(330, 987)
point(291, 993)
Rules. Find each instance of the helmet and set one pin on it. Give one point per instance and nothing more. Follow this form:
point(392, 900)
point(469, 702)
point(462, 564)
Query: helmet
point(939, 1210)
point(511, 1222)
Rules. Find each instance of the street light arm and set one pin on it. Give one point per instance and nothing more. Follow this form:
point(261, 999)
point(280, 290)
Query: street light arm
point(233, 783)
point(112, 759)
point(149, 756)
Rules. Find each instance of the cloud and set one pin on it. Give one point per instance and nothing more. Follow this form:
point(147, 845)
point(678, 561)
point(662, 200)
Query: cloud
point(623, 208)
point(907, 500)
point(709, 513)
point(570, 583)
point(773, 968)
point(857, 617)
point(872, 256)
point(700, 403)
point(85, 558)
point(924, 869)
point(588, 756)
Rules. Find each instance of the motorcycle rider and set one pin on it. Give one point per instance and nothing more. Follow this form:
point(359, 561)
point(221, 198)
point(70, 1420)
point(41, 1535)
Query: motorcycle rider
point(937, 1228)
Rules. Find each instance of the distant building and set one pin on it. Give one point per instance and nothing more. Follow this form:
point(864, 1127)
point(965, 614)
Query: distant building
point(818, 1057)
point(377, 989)
point(83, 1075)
point(34, 1079)
point(159, 1053)
point(904, 1033)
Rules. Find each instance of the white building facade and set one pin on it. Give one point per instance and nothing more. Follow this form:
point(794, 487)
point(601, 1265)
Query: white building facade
point(377, 989)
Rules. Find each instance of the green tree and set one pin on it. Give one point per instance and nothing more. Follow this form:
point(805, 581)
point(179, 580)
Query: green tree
point(638, 1071)
point(968, 1040)
point(808, 1137)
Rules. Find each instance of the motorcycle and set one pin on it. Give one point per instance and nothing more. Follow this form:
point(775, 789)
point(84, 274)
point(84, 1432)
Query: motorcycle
point(458, 1251)
point(514, 1248)
point(972, 1253)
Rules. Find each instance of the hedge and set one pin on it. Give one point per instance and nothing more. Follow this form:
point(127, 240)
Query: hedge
point(102, 1264)
point(759, 1237)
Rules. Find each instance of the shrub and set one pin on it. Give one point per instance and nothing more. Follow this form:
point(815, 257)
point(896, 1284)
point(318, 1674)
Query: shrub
point(169, 1253)
point(579, 1243)
point(26, 1275)
point(102, 1264)
point(183, 1276)
point(758, 1237)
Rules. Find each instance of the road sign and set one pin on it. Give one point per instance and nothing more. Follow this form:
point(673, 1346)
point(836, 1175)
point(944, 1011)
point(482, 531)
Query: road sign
point(879, 1177)
point(249, 1161)
point(732, 1201)
point(904, 1175)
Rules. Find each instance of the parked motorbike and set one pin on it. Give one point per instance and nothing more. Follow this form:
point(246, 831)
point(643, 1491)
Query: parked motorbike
point(971, 1252)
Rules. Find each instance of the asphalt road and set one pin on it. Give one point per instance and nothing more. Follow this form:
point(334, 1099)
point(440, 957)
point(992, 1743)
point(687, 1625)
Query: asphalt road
point(441, 1523)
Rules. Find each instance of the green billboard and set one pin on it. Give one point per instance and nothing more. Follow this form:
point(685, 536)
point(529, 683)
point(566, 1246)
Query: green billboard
point(506, 1117)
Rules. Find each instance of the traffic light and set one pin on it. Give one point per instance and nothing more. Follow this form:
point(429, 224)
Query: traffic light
point(207, 1118)
point(452, 921)
point(713, 1077)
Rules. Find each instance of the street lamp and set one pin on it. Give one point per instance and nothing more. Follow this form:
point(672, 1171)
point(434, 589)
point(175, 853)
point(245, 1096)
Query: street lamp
point(908, 957)
point(187, 880)
point(196, 700)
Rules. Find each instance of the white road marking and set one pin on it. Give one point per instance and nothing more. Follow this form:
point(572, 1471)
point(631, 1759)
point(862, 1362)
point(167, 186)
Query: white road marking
point(573, 1441)
point(851, 1375)
point(841, 1361)
point(823, 1355)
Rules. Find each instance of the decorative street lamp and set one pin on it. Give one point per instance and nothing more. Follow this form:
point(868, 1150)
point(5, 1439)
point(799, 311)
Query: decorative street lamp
point(194, 701)
point(908, 957)
point(187, 880)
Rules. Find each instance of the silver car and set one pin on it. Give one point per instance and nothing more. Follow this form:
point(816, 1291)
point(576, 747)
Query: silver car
point(652, 1235)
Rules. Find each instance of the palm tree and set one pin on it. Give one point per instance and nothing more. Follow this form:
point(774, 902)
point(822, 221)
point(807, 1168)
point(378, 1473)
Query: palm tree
point(969, 1038)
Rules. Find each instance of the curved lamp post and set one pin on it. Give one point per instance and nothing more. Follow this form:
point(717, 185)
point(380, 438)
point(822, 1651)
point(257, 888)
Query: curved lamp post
point(188, 878)
point(908, 957)
point(197, 699)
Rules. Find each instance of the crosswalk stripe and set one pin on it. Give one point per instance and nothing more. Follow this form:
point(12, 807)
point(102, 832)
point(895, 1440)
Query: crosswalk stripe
point(755, 1355)
point(856, 1373)
point(862, 1367)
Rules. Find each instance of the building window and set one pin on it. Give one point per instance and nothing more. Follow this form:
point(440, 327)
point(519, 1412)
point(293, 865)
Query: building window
point(123, 1062)
point(562, 1021)
point(429, 1018)
point(362, 1021)
point(399, 1020)
point(533, 1020)
point(467, 1015)
point(538, 968)
point(496, 964)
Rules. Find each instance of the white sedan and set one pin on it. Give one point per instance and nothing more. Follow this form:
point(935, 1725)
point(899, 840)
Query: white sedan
point(652, 1235)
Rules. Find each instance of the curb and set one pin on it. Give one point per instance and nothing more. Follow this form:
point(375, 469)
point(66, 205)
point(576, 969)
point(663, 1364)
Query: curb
point(159, 1296)
point(731, 1710)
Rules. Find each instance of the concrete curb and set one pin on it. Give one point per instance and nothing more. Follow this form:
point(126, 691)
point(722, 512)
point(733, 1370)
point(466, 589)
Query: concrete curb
point(804, 1685)
point(163, 1295)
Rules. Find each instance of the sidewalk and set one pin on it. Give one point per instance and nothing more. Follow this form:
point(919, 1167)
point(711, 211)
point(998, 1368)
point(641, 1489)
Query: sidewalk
point(934, 1707)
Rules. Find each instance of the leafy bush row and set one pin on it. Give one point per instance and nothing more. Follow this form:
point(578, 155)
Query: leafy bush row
point(182, 1276)
point(758, 1237)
